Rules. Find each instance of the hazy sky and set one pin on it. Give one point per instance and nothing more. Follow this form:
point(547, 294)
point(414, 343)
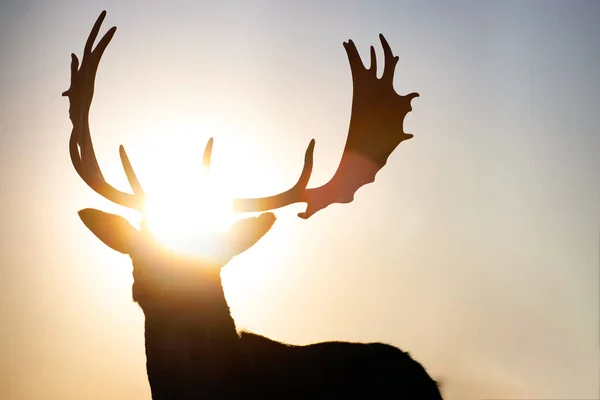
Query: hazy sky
point(476, 249)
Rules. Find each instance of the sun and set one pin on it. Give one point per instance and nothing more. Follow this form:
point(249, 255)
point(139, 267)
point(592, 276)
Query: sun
point(189, 208)
point(189, 218)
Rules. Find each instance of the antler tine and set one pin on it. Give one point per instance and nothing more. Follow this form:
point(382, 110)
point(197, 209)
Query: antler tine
point(131, 176)
point(81, 149)
point(390, 60)
point(297, 194)
point(207, 154)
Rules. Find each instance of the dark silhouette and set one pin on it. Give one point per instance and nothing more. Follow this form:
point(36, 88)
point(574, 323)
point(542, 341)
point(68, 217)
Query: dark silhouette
point(193, 349)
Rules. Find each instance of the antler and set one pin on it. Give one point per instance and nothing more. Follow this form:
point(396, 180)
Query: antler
point(376, 128)
point(81, 149)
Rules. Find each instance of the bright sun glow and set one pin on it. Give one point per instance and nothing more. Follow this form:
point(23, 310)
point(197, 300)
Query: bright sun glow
point(189, 209)
point(185, 221)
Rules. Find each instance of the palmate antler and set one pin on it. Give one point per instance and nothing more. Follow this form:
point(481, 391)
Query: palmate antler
point(376, 128)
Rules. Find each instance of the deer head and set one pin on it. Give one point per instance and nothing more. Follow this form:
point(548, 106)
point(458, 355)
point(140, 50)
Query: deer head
point(376, 128)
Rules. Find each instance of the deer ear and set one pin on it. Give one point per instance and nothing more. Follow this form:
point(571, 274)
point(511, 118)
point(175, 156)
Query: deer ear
point(244, 233)
point(113, 230)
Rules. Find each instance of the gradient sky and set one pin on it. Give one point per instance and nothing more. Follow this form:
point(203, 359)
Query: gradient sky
point(476, 249)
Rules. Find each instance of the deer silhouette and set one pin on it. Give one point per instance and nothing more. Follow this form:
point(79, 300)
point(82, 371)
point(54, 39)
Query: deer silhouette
point(193, 349)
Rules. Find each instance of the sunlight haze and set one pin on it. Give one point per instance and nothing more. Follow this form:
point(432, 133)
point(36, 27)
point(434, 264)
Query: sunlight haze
point(476, 249)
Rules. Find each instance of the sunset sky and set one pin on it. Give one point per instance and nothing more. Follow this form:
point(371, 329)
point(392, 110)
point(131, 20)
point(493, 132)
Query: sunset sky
point(476, 249)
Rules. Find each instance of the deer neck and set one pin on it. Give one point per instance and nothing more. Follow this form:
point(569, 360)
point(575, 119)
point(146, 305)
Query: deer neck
point(192, 346)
